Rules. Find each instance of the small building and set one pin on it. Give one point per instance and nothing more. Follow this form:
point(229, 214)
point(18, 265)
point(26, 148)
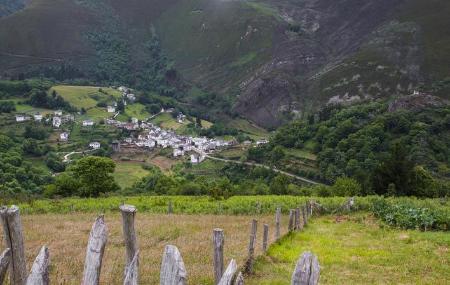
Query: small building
point(68, 118)
point(21, 118)
point(111, 109)
point(178, 152)
point(131, 97)
point(64, 136)
point(38, 117)
point(197, 158)
point(134, 120)
point(58, 113)
point(94, 145)
point(56, 122)
point(116, 146)
point(181, 117)
point(88, 123)
point(261, 142)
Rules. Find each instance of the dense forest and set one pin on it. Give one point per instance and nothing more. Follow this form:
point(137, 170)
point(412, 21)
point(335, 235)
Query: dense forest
point(403, 152)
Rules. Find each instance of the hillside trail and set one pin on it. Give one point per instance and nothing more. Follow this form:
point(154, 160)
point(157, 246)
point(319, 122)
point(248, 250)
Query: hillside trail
point(264, 166)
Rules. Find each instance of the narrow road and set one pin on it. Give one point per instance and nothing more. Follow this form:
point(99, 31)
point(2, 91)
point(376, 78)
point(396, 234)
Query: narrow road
point(266, 167)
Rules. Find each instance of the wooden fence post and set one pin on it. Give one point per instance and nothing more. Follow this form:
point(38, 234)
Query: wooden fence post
point(307, 270)
point(5, 259)
point(12, 228)
point(170, 208)
point(251, 247)
point(173, 271)
point(39, 270)
point(297, 219)
point(228, 275)
point(291, 220)
point(94, 252)
point(132, 271)
point(277, 223)
point(129, 235)
point(305, 219)
point(239, 279)
point(218, 241)
point(265, 237)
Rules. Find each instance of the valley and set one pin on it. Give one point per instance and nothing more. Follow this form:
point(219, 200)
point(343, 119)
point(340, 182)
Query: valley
point(224, 142)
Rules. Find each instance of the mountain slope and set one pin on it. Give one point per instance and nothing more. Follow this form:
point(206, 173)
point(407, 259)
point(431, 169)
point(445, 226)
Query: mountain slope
point(266, 60)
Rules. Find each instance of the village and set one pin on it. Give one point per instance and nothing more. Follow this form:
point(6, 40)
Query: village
point(144, 136)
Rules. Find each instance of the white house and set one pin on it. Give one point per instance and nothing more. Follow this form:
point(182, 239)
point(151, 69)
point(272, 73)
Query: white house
point(64, 136)
point(56, 122)
point(58, 113)
point(134, 120)
point(38, 117)
point(21, 118)
point(94, 145)
point(261, 142)
point(87, 123)
point(68, 118)
point(131, 97)
point(111, 109)
point(178, 152)
point(181, 117)
point(197, 158)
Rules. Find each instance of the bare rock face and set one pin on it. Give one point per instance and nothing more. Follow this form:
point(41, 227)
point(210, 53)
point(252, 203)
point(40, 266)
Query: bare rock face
point(416, 102)
point(316, 37)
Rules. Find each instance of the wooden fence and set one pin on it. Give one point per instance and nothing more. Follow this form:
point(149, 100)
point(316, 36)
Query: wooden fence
point(173, 271)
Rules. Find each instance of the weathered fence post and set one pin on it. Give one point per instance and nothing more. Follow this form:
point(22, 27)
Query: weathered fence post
point(5, 259)
point(277, 223)
point(305, 219)
point(291, 220)
point(218, 241)
point(228, 275)
point(12, 228)
point(94, 252)
point(129, 235)
point(239, 279)
point(39, 270)
point(297, 219)
point(170, 208)
point(173, 271)
point(307, 270)
point(265, 237)
point(132, 271)
point(251, 247)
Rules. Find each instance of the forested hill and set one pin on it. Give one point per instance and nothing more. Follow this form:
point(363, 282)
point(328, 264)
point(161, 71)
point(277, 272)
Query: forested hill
point(403, 148)
point(267, 60)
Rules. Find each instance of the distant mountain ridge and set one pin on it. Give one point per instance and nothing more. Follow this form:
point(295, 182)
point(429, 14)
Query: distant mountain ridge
point(268, 61)
point(8, 7)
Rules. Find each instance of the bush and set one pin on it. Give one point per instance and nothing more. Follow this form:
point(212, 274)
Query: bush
point(408, 215)
point(345, 187)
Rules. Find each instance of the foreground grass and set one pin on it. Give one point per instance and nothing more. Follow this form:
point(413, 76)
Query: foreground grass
point(357, 250)
point(66, 237)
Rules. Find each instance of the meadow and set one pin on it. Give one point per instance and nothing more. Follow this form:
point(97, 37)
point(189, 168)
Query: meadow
point(353, 248)
point(357, 249)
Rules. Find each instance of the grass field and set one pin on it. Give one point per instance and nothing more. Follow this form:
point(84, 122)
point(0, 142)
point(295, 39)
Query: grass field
point(85, 96)
point(356, 250)
point(137, 110)
point(128, 172)
point(66, 237)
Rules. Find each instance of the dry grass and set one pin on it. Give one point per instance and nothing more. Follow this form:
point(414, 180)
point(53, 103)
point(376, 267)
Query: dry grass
point(66, 236)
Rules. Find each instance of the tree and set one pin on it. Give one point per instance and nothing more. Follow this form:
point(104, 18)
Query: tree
point(345, 186)
point(94, 174)
point(120, 106)
point(396, 169)
point(198, 122)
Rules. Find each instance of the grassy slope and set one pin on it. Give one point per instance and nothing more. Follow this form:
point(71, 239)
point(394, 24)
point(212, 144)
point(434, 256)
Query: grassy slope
point(207, 39)
point(127, 173)
point(359, 251)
